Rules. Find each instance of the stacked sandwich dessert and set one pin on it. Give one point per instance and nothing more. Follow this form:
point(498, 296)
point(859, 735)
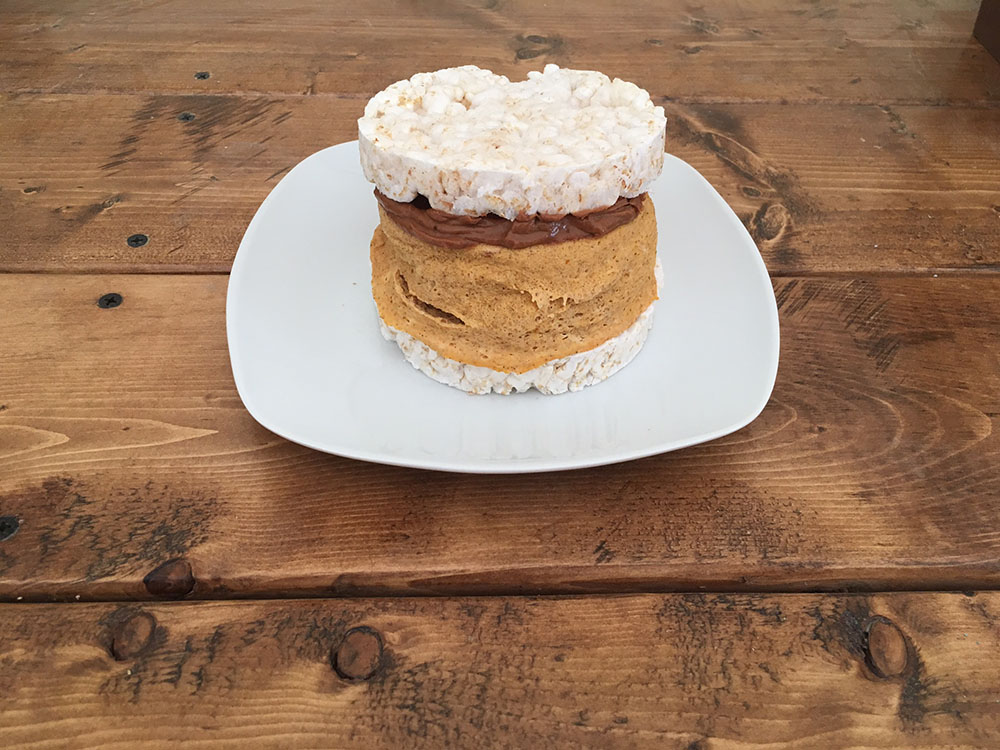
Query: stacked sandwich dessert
point(517, 244)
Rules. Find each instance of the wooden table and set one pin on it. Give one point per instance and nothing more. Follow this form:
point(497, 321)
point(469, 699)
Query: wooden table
point(825, 578)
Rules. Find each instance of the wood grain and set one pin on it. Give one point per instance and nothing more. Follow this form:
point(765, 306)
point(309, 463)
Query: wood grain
point(857, 142)
point(823, 189)
point(710, 51)
point(124, 446)
point(680, 672)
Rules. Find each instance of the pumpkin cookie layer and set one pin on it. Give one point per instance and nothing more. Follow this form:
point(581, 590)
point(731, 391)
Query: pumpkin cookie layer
point(512, 310)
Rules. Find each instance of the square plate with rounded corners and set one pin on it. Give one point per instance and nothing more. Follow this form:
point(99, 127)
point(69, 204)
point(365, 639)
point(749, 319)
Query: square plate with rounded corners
point(310, 364)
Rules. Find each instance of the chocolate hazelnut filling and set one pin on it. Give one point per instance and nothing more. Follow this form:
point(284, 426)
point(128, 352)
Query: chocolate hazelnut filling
point(449, 230)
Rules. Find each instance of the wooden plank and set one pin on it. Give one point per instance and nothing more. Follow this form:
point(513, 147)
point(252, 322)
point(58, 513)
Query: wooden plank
point(123, 445)
point(684, 672)
point(716, 50)
point(867, 189)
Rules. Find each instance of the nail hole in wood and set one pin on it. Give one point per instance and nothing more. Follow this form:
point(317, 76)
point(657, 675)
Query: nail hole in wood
point(8, 527)
point(186, 116)
point(112, 299)
point(137, 240)
point(359, 655)
point(202, 75)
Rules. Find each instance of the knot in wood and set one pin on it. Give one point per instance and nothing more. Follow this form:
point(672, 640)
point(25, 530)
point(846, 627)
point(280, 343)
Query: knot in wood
point(359, 655)
point(885, 648)
point(172, 580)
point(132, 636)
point(770, 221)
point(8, 527)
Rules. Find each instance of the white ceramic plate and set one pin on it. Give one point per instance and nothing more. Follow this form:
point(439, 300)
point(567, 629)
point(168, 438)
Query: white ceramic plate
point(311, 366)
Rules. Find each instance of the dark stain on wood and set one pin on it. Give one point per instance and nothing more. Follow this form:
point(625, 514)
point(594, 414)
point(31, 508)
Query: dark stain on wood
point(915, 696)
point(81, 215)
point(222, 118)
point(219, 118)
point(750, 529)
point(535, 45)
point(785, 255)
point(770, 671)
point(702, 119)
point(423, 702)
point(310, 636)
point(827, 13)
point(704, 26)
point(153, 109)
point(925, 336)
point(843, 627)
point(510, 616)
point(215, 641)
point(770, 613)
point(861, 307)
point(896, 123)
point(603, 553)
point(96, 537)
point(634, 509)
point(721, 134)
point(175, 671)
point(174, 579)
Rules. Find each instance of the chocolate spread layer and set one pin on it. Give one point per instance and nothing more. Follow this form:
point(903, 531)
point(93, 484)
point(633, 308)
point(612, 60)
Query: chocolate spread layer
point(448, 230)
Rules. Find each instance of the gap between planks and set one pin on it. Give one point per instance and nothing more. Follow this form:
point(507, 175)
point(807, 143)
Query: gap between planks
point(661, 99)
point(517, 593)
